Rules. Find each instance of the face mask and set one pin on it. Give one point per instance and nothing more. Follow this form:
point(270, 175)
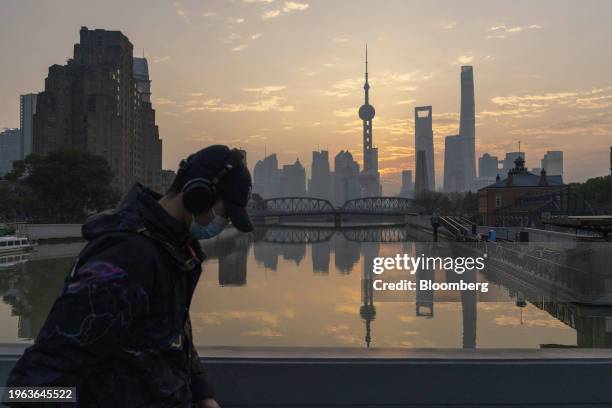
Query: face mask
point(214, 228)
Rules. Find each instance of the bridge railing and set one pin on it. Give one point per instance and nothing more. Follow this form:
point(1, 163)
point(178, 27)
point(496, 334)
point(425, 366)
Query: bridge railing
point(318, 206)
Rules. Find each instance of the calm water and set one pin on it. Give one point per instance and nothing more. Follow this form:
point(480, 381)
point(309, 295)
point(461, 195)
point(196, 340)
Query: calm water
point(304, 287)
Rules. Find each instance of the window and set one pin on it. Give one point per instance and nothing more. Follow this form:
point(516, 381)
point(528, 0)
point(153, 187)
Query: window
point(498, 200)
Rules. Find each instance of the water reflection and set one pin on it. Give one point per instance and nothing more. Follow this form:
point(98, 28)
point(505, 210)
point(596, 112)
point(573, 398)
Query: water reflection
point(292, 286)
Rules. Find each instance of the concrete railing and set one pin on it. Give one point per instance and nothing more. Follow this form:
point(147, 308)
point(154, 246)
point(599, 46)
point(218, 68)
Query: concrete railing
point(339, 377)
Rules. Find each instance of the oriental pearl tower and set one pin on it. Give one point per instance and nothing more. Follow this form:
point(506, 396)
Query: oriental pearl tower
point(369, 177)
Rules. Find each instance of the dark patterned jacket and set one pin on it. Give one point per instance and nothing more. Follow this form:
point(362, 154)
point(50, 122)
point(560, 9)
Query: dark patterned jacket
point(120, 330)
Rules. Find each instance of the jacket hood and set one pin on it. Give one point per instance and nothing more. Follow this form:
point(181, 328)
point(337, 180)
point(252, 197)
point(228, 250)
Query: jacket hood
point(139, 211)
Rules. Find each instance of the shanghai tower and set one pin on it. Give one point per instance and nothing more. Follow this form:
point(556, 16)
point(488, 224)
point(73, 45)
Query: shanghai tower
point(467, 126)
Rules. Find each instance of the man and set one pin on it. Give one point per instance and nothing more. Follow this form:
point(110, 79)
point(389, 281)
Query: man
point(120, 330)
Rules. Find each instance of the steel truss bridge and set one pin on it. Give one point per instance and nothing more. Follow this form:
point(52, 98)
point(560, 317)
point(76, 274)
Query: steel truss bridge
point(310, 206)
point(301, 235)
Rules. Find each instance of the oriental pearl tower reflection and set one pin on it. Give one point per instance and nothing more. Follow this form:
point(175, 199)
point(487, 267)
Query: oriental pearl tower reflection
point(367, 311)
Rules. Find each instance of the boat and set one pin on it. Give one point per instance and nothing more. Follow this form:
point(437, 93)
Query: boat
point(13, 244)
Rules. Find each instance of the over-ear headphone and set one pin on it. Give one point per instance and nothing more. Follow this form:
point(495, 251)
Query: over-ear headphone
point(199, 193)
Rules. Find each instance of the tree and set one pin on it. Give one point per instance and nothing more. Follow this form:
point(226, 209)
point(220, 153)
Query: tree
point(64, 185)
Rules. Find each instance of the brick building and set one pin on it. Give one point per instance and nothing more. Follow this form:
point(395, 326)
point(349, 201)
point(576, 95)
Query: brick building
point(517, 185)
point(100, 102)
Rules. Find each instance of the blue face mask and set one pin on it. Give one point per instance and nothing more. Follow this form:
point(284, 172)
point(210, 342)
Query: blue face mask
point(212, 229)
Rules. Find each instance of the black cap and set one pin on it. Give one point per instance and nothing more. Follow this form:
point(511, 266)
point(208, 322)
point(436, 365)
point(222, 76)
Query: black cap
point(233, 185)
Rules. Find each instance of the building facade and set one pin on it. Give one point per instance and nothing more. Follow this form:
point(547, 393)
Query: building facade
point(552, 162)
point(407, 190)
point(167, 177)
point(293, 180)
point(467, 127)
point(519, 183)
point(453, 164)
point(94, 103)
point(488, 166)
point(319, 185)
point(266, 177)
point(10, 149)
point(346, 178)
point(27, 109)
point(423, 141)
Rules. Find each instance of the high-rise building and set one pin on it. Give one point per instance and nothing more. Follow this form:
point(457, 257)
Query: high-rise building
point(167, 177)
point(487, 166)
point(319, 185)
point(508, 163)
point(346, 178)
point(467, 127)
point(148, 130)
point(453, 164)
point(553, 163)
point(266, 177)
point(10, 149)
point(407, 190)
point(369, 178)
point(94, 103)
point(421, 183)
point(293, 180)
point(423, 140)
point(27, 109)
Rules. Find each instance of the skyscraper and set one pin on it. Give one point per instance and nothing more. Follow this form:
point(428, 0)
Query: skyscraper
point(467, 126)
point(10, 149)
point(369, 178)
point(453, 164)
point(552, 162)
point(407, 190)
point(423, 140)
point(27, 109)
point(421, 183)
point(148, 130)
point(346, 178)
point(266, 177)
point(293, 180)
point(319, 185)
point(487, 166)
point(94, 103)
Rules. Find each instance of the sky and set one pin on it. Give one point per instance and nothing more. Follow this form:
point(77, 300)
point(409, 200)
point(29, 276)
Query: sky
point(286, 77)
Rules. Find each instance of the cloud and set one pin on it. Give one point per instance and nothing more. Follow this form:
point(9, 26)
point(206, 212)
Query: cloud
point(209, 14)
point(449, 25)
point(267, 332)
point(405, 102)
point(340, 40)
point(534, 105)
point(395, 80)
point(236, 20)
point(271, 14)
point(265, 90)
point(502, 31)
point(160, 60)
point(288, 7)
point(163, 101)
point(463, 60)
point(345, 113)
point(291, 6)
point(255, 36)
point(272, 103)
point(258, 1)
point(239, 47)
